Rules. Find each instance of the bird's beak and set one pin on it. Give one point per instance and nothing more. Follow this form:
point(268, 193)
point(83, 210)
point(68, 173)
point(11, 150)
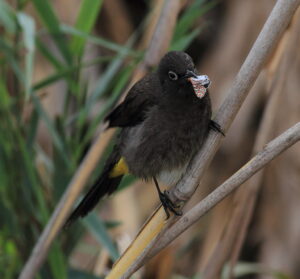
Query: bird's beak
point(200, 83)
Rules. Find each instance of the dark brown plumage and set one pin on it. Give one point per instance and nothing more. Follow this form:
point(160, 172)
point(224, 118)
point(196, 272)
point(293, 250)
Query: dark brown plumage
point(163, 123)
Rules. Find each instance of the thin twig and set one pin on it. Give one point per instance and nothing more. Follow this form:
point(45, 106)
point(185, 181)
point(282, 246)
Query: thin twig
point(267, 39)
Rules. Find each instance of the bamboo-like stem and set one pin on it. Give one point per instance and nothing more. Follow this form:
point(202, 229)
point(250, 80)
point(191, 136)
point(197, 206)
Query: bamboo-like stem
point(266, 41)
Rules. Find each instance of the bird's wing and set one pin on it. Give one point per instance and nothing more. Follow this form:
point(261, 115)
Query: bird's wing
point(141, 97)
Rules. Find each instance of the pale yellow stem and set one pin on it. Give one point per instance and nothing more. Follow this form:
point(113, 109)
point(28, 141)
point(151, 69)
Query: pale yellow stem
point(149, 231)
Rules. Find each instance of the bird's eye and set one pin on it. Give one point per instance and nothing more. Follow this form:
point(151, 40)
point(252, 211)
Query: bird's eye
point(172, 75)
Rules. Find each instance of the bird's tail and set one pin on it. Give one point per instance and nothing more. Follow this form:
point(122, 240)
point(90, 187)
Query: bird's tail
point(107, 183)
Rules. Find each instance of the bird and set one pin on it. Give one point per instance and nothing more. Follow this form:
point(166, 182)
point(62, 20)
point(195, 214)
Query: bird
point(164, 120)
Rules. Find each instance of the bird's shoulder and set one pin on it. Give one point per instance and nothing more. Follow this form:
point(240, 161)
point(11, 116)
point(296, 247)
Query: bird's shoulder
point(140, 98)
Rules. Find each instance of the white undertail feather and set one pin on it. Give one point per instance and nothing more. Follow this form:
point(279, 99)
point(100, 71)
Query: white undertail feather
point(170, 178)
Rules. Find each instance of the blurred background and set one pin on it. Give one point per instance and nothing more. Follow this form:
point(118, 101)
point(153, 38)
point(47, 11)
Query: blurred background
point(64, 65)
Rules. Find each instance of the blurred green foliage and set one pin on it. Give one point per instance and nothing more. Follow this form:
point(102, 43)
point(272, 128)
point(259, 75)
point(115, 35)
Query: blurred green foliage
point(32, 181)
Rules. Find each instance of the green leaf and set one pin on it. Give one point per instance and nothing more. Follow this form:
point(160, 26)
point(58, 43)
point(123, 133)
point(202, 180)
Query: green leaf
point(32, 179)
point(97, 228)
point(48, 54)
point(55, 136)
point(4, 96)
point(183, 42)
point(101, 85)
point(32, 129)
point(28, 26)
point(112, 224)
point(65, 72)
point(52, 23)
point(109, 74)
point(57, 262)
point(89, 9)
point(117, 90)
point(99, 41)
point(6, 17)
point(193, 12)
point(9, 56)
point(183, 36)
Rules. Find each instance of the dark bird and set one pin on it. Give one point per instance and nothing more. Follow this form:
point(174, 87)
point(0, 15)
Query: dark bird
point(165, 119)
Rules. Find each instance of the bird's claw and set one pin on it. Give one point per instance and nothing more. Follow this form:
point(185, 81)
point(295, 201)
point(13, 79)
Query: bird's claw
point(216, 127)
point(169, 205)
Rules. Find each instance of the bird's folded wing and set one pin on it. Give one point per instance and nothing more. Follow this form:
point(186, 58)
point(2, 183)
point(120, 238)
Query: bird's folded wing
point(141, 97)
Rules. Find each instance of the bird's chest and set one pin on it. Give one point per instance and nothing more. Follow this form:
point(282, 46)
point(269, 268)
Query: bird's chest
point(175, 133)
point(183, 127)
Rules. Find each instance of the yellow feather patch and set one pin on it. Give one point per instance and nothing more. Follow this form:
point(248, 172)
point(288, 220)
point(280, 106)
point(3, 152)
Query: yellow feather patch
point(120, 168)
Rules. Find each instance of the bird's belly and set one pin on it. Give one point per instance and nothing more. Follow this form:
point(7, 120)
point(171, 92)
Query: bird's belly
point(155, 150)
point(171, 177)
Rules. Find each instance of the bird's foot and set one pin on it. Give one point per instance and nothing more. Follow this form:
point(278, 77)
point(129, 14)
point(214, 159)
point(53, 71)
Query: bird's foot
point(169, 205)
point(216, 127)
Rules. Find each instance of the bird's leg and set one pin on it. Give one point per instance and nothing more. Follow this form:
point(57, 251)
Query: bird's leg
point(216, 127)
point(166, 201)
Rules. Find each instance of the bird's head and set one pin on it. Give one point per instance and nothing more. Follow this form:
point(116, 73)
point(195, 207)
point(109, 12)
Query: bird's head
point(177, 75)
